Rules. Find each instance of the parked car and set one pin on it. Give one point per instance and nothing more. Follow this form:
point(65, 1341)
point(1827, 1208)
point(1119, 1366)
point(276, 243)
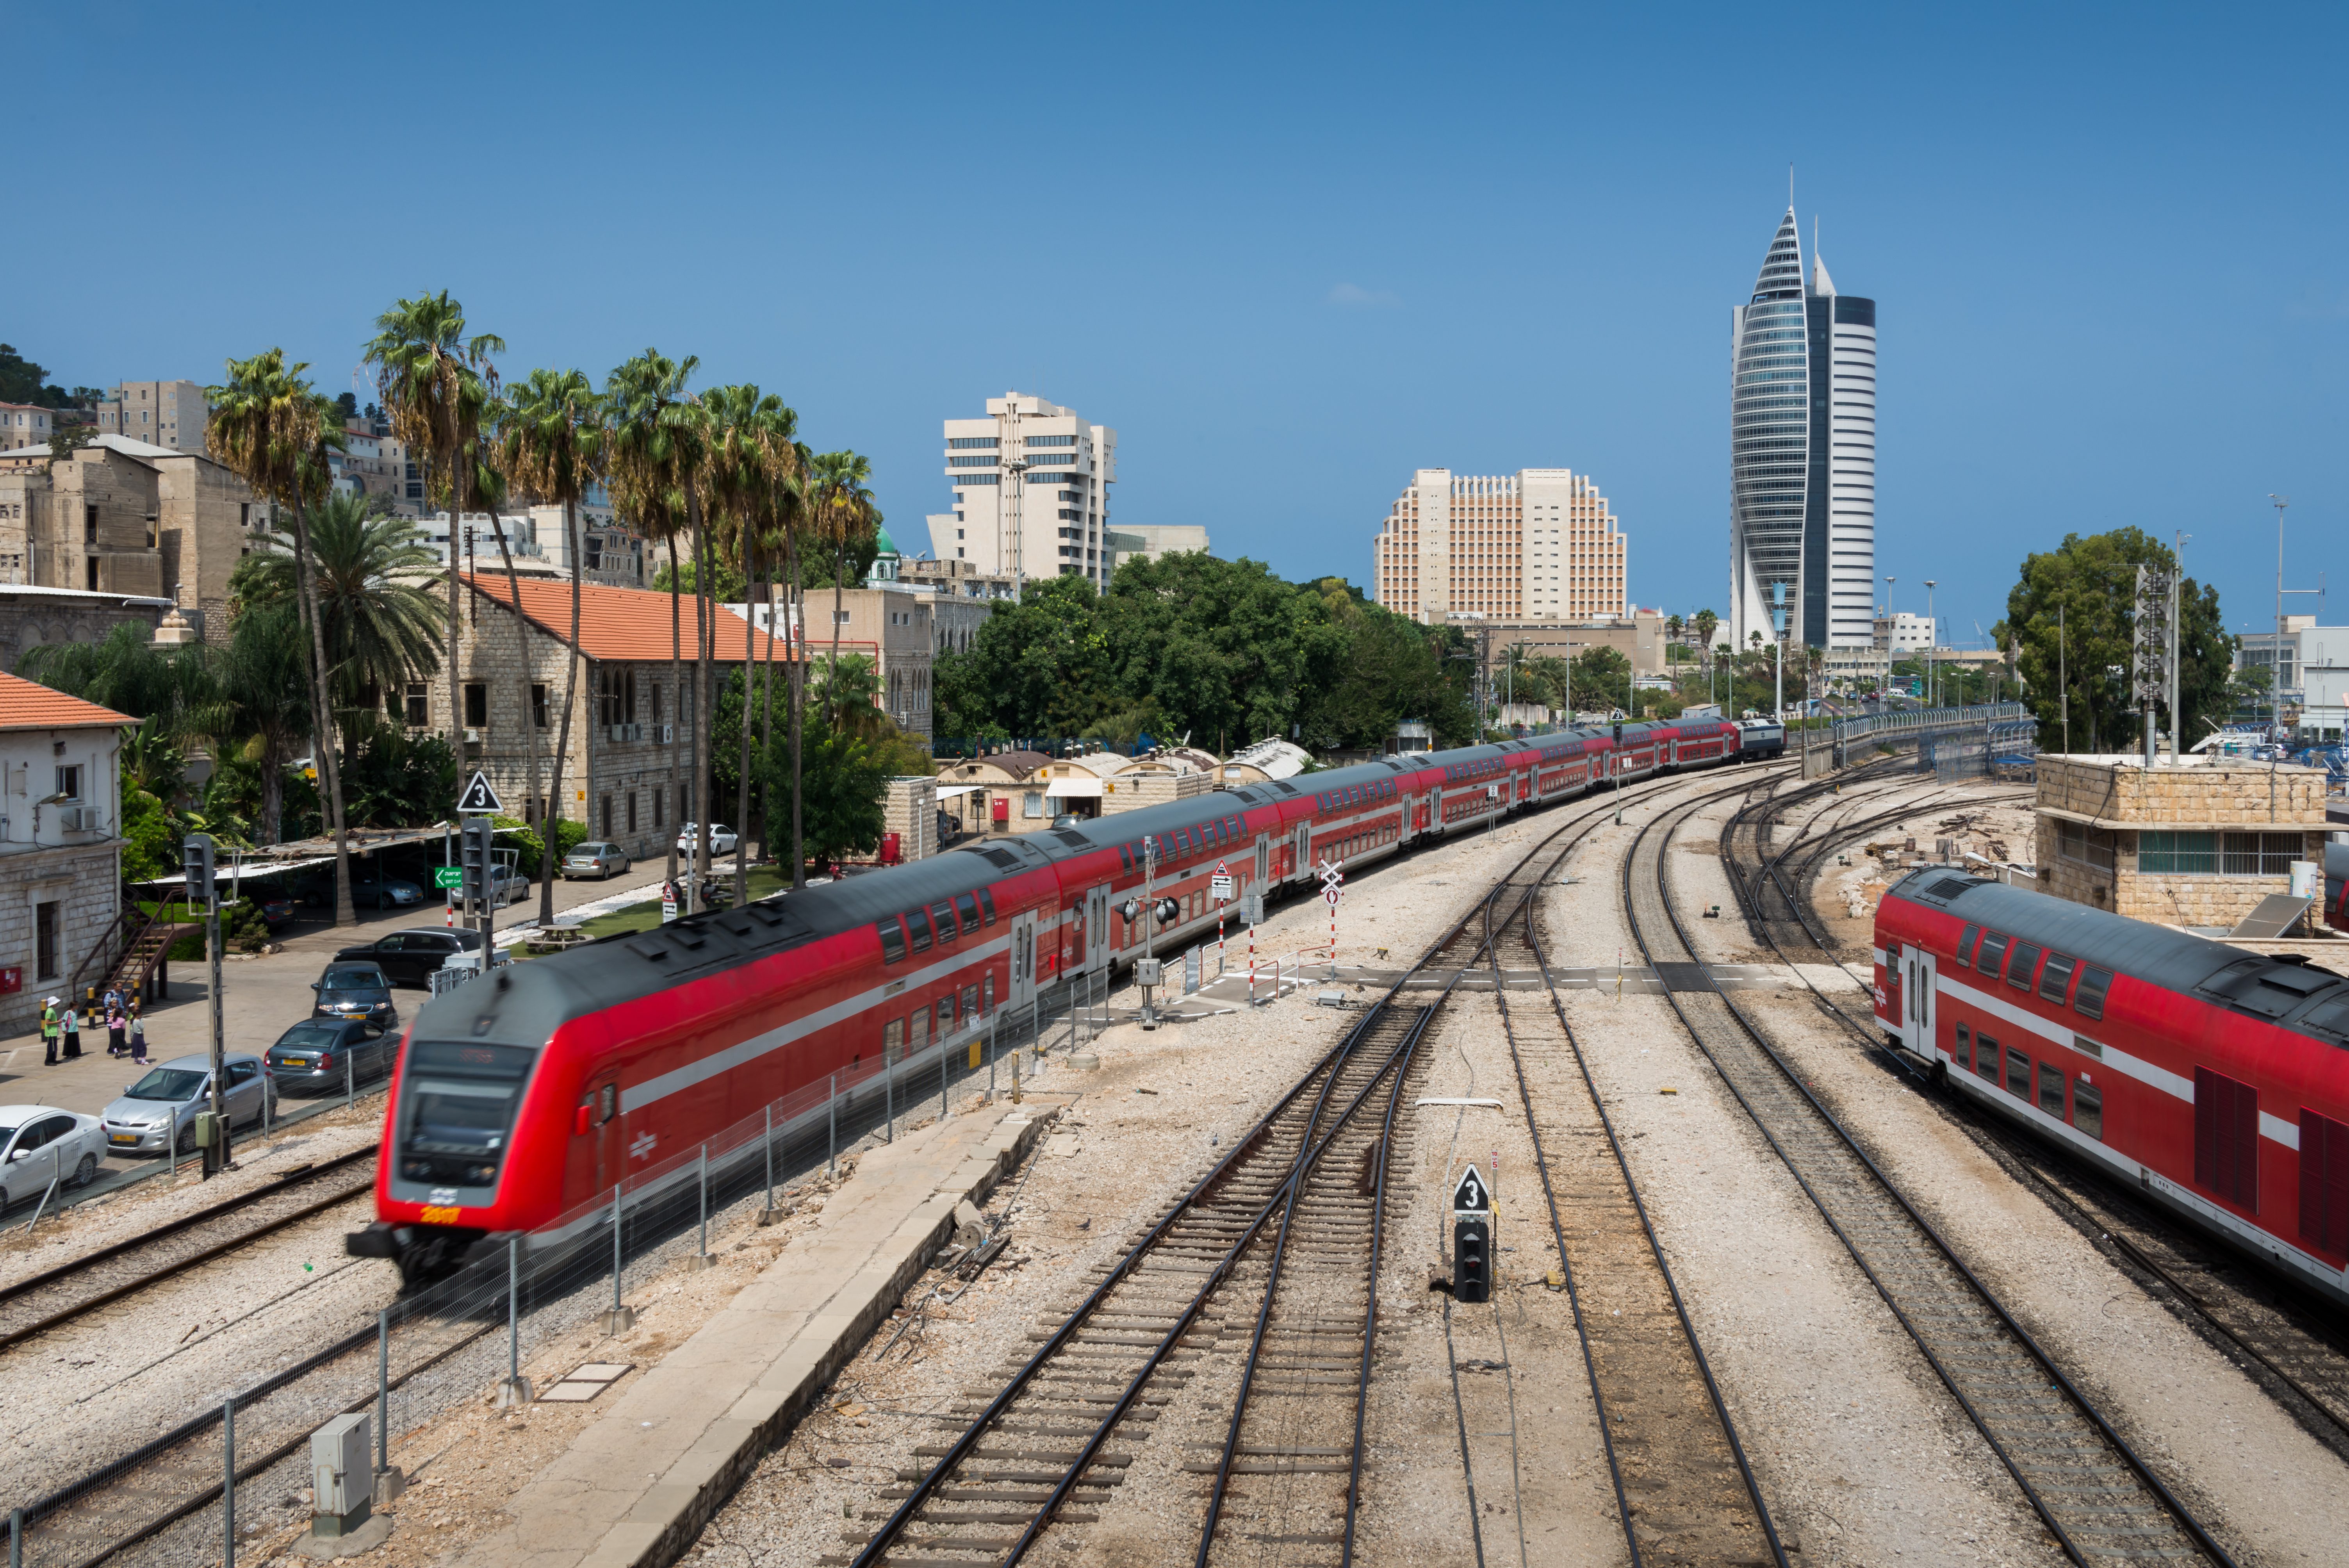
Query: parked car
point(721, 839)
point(405, 957)
point(602, 860)
point(319, 1056)
point(44, 1144)
point(163, 1104)
point(354, 991)
point(371, 889)
point(507, 886)
point(277, 910)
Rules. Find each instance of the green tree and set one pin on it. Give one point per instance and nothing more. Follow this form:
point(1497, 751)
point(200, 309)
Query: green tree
point(729, 582)
point(435, 382)
point(843, 517)
point(2072, 617)
point(551, 445)
point(379, 625)
point(260, 710)
point(844, 778)
point(1602, 679)
point(272, 429)
point(653, 444)
point(399, 777)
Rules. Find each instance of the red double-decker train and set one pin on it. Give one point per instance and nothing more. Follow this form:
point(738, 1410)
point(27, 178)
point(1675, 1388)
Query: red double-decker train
point(2215, 1081)
point(519, 1098)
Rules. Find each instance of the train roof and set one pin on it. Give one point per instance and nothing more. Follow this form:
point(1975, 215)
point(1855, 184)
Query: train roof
point(2276, 990)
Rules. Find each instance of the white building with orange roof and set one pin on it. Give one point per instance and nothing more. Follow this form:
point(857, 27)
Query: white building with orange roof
point(60, 846)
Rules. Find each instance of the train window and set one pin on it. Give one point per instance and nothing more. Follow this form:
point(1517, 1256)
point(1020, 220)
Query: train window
point(1966, 943)
point(1992, 954)
point(1986, 1058)
point(918, 1038)
point(1125, 853)
point(987, 906)
point(969, 1002)
point(2051, 1090)
point(2020, 965)
point(942, 913)
point(2087, 1047)
point(919, 924)
point(945, 1014)
point(1183, 840)
point(893, 939)
point(2088, 1108)
point(1964, 1051)
point(2056, 978)
point(893, 1041)
point(2089, 999)
point(2018, 1073)
point(968, 907)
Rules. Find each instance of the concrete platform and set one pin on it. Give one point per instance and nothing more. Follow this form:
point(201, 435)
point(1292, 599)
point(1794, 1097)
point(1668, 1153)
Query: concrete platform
point(636, 1486)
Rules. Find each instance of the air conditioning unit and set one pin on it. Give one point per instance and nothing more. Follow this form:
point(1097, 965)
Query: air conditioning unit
point(621, 733)
point(77, 819)
point(665, 733)
point(472, 737)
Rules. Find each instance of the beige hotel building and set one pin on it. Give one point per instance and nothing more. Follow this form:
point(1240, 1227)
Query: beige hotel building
point(1535, 545)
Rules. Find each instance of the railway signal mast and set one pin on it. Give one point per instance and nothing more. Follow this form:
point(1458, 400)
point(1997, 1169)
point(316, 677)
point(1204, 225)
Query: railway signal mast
point(2153, 646)
point(1009, 557)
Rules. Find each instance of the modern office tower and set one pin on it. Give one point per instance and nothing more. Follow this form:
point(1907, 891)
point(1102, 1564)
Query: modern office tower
point(1802, 455)
point(1032, 492)
point(1535, 545)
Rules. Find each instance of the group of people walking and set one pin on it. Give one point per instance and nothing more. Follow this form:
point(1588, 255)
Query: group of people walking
point(126, 1030)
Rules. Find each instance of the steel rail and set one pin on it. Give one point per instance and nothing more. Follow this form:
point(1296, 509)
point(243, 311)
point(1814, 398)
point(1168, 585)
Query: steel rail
point(875, 1552)
point(64, 1271)
point(1655, 1249)
point(2176, 1510)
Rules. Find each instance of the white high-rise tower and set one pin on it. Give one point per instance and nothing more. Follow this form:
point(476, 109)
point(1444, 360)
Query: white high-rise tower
point(1801, 445)
point(1032, 492)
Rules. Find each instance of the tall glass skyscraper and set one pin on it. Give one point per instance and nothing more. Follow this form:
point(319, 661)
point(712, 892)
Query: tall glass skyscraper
point(1802, 455)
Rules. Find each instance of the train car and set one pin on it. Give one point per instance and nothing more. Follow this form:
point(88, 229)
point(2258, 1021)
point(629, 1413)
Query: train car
point(1761, 739)
point(2336, 886)
point(2216, 1081)
point(522, 1097)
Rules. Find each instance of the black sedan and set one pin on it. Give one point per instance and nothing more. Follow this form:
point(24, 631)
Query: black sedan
point(354, 991)
point(405, 957)
point(319, 1056)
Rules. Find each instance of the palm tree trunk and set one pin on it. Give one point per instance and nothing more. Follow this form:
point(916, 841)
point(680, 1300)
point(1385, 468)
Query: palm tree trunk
point(767, 721)
point(677, 698)
point(562, 730)
point(795, 672)
point(704, 764)
point(272, 793)
point(322, 719)
point(831, 674)
point(743, 779)
point(539, 803)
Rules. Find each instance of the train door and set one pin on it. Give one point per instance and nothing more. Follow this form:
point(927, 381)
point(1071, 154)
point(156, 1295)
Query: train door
point(1302, 860)
point(1023, 959)
point(1917, 1001)
point(1263, 860)
point(1097, 928)
point(1431, 816)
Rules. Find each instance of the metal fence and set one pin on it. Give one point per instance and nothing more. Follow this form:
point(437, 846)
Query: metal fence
point(1903, 726)
point(489, 1317)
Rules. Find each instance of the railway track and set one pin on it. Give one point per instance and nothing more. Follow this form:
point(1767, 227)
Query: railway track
point(1685, 1491)
point(1271, 1261)
point(39, 1302)
point(2099, 1499)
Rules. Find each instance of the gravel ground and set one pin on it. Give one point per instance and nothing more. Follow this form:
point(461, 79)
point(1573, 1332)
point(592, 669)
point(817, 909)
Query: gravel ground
point(2271, 1491)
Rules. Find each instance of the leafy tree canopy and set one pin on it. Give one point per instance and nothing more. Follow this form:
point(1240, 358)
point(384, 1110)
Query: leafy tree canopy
point(2090, 585)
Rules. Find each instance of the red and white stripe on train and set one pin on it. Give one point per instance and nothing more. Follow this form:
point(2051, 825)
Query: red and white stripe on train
point(521, 1097)
point(2213, 1080)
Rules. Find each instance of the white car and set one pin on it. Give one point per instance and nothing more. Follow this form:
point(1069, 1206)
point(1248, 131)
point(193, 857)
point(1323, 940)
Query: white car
point(722, 838)
point(43, 1144)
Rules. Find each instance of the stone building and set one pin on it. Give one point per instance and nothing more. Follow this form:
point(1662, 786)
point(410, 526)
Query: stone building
point(60, 845)
point(125, 517)
point(25, 425)
point(172, 414)
point(628, 719)
point(2196, 845)
point(34, 617)
point(889, 625)
point(1002, 792)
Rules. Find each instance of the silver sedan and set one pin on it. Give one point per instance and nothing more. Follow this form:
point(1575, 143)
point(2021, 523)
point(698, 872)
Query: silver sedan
point(44, 1144)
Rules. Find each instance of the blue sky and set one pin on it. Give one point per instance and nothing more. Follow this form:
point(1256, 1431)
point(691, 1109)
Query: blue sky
point(1290, 254)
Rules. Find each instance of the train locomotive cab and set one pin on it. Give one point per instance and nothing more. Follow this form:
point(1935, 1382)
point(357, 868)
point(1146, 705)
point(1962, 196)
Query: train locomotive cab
point(1761, 739)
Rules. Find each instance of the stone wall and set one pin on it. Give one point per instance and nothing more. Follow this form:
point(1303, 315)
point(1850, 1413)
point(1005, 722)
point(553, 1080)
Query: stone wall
point(85, 882)
point(910, 810)
point(1133, 792)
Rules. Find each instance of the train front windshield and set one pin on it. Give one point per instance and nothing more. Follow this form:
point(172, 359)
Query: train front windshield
point(457, 1110)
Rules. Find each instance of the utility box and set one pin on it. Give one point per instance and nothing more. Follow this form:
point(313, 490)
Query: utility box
point(1472, 1259)
point(207, 1129)
point(341, 1484)
point(1147, 972)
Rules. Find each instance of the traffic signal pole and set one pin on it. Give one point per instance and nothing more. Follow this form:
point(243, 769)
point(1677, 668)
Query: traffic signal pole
point(196, 863)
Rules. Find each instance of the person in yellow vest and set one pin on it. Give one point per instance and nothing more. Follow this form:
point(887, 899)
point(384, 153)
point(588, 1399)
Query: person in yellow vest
point(49, 1032)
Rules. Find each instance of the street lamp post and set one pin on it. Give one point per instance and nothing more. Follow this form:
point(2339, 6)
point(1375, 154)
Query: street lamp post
point(1932, 635)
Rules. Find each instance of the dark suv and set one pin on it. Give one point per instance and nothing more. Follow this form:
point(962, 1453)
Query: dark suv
point(405, 957)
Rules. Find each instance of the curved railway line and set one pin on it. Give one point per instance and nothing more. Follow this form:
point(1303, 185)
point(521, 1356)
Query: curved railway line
point(2100, 1500)
point(1272, 1258)
point(2291, 1345)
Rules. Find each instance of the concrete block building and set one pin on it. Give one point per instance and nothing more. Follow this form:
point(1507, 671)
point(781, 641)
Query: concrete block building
point(2197, 845)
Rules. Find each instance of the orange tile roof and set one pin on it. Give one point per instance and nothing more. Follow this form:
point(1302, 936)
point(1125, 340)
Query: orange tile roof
point(29, 704)
point(622, 622)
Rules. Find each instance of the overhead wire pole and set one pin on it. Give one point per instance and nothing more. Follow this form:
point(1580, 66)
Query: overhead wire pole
point(2177, 578)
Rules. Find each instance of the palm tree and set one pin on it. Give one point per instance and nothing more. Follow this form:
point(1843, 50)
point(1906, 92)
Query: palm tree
point(798, 523)
point(275, 433)
point(379, 627)
point(260, 703)
point(430, 376)
point(551, 444)
point(845, 516)
point(645, 397)
point(747, 455)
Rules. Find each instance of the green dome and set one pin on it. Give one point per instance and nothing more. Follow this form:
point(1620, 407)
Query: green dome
point(888, 546)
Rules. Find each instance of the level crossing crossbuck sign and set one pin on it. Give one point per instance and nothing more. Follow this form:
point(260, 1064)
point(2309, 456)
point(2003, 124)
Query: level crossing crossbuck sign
point(477, 797)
